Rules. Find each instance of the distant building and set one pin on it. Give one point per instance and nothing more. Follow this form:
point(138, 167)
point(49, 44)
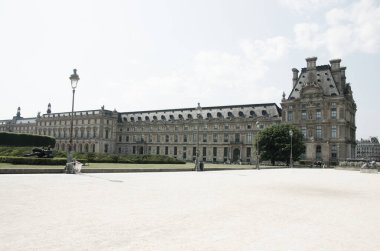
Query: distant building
point(368, 149)
point(320, 104)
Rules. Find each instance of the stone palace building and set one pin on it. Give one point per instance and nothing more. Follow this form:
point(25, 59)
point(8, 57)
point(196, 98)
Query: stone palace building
point(320, 104)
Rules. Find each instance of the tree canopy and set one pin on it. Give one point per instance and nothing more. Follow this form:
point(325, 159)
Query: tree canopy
point(275, 143)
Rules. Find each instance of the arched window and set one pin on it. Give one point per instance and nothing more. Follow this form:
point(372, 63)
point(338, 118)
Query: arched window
point(241, 114)
point(252, 114)
point(209, 116)
point(189, 116)
point(146, 118)
point(219, 115)
point(163, 117)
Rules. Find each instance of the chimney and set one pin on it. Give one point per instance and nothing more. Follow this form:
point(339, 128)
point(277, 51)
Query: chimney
point(343, 74)
point(295, 76)
point(311, 63)
point(335, 64)
point(49, 109)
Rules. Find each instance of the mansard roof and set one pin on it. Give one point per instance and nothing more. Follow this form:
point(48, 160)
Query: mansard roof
point(320, 79)
point(240, 111)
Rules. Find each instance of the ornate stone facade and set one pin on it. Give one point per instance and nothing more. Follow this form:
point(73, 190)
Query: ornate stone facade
point(322, 106)
point(224, 133)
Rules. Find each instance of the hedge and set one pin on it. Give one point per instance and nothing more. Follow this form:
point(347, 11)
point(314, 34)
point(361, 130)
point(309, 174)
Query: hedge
point(36, 161)
point(18, 139)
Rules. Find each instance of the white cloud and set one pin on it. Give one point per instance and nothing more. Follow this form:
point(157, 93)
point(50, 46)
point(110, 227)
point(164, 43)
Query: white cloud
point(270, 49)
point(308, 5)
point(355, 28)
point(215, 77)
point(308, 36)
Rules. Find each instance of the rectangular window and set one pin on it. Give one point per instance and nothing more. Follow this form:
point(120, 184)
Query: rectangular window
point(225, 151)
point(194, 151)
point(333, 113)
point(166, 150)
point(303, 115)
point(175, 151)
point(120, 138)
point(157, 150)
point(134, 150)
point(225, 137)
point(303, 131)
point(175, 138)
point(215, 137)
point(237, 137)
point(216, 127)
point(194, 137)
point(334, 154)
point(158, 138)
point(204, 151)
point(333, 131)
point(185, 138)
point(226, 126)
point(318, 132)
point(166, 138)
point(290, 115)
point(205, 137)
point(184, 153)
point(318, 114)
point(214, 151)
point(248, 152)
point(249, 138)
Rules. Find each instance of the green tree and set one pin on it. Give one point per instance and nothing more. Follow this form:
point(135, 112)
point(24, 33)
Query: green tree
point(274, 143)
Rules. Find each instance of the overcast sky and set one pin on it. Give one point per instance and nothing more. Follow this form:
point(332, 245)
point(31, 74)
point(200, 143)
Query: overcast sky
point(137, 55)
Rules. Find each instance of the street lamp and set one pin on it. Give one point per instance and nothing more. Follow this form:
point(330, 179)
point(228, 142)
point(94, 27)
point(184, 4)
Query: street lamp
point(74, 78)
point(257, 146)
point(291, 148)
point(197, 162)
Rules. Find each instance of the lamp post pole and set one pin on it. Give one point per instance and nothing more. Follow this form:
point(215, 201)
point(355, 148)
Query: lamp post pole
point(74, 78)
point(197, 162)
point(257, 146)
point(291, 148)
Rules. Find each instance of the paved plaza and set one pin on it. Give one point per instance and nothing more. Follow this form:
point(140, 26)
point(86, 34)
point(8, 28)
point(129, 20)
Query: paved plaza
point(278, 209)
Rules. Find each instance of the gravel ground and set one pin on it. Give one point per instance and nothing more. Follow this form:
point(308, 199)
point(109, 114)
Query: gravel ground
point(279, 209)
